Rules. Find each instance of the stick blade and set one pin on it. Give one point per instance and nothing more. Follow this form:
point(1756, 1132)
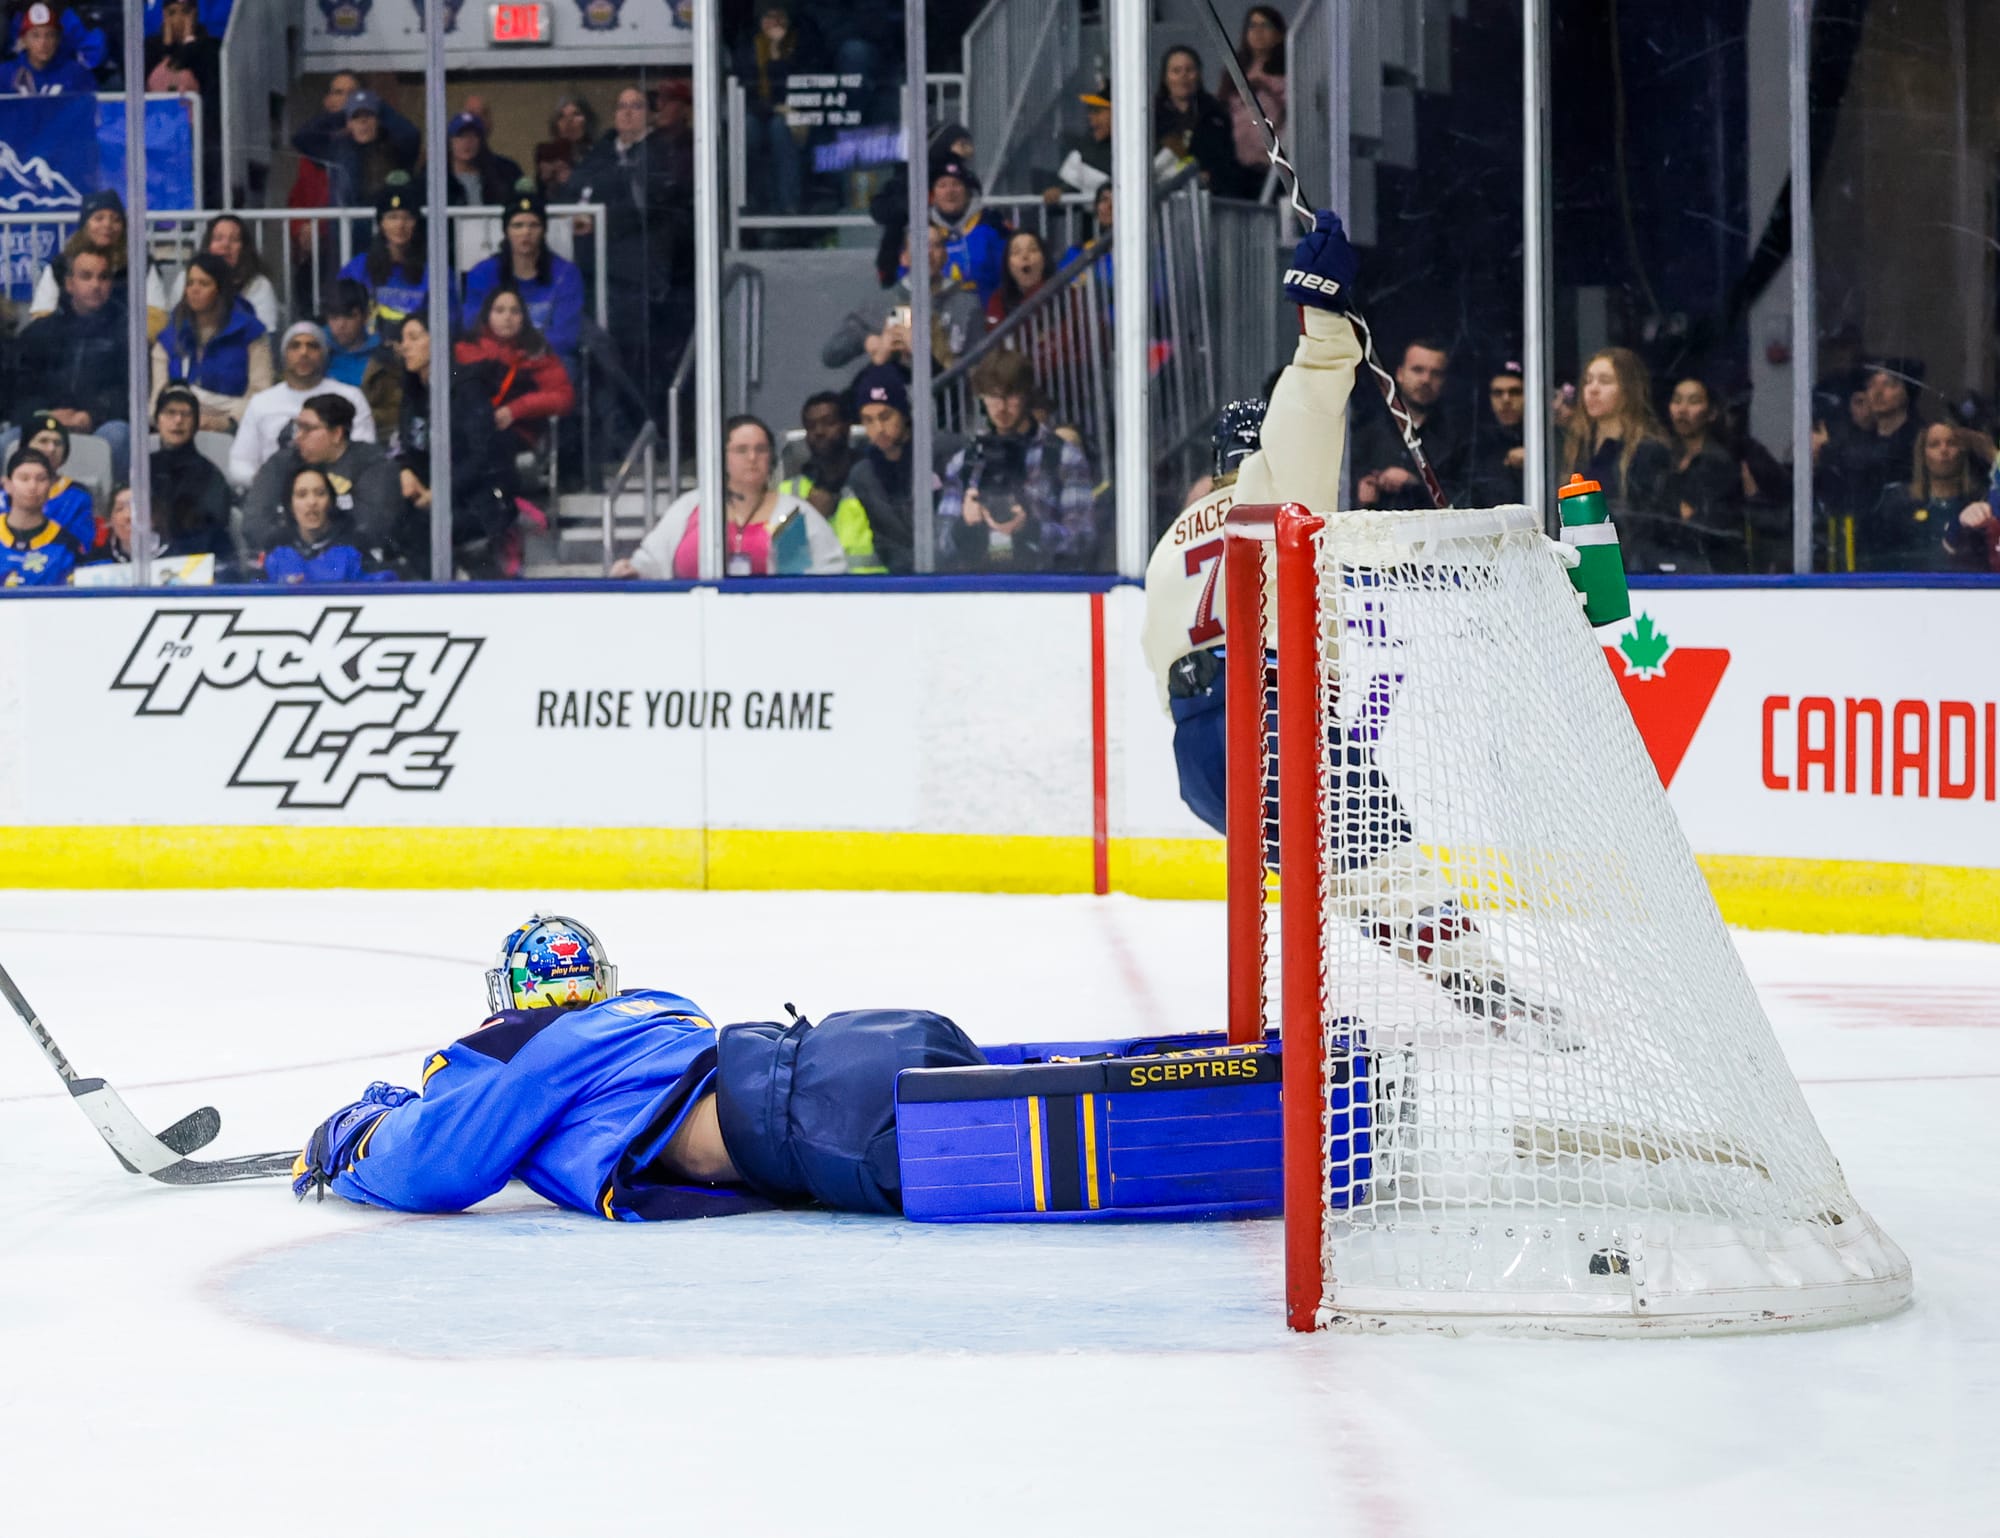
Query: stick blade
point(194, 1131)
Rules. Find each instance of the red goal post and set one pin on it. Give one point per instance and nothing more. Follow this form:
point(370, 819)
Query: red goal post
point(1276, 541)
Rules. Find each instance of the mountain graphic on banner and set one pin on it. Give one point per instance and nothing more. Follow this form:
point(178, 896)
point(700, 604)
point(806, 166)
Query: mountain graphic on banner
point(1668, 689)
point(33, 184)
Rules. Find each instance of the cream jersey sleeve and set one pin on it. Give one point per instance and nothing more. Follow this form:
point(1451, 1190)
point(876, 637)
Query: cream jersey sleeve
point(1304, 436)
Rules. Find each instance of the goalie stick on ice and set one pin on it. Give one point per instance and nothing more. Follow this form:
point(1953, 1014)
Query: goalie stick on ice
point(162, 1156)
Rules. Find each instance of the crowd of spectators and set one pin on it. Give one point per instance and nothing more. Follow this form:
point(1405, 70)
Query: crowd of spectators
point(293, 442)
point(1901, 484)
point(1689, 492)
point(334, 372)
point(266, 456)
point(246, 393)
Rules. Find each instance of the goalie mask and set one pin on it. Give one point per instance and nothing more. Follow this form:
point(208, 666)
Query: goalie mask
point(1237, 434)
point(550, 962)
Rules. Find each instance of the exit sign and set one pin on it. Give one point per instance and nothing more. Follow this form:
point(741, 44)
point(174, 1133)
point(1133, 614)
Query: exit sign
point(512, 24)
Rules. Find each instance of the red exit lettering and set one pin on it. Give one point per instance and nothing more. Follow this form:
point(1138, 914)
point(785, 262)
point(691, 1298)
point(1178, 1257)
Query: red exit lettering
point(1866, 747)
point(519, 24)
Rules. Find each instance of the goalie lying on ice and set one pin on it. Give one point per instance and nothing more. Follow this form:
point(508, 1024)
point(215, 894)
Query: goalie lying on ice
point(1380, 879)
point(632, 1106)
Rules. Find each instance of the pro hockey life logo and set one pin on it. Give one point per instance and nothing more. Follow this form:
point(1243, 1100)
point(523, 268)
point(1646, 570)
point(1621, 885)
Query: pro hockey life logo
point(1667, 688)
point(346, 704)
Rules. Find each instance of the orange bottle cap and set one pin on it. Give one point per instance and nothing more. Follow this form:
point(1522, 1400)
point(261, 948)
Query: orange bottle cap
point(1578, 487)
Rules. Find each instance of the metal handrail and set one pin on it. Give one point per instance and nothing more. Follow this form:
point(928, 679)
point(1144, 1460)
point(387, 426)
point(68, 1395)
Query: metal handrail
point(674, 388)
point(738, 272)
point(642, 450)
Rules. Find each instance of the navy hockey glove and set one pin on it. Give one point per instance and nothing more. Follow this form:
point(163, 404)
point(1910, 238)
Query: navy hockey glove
point(331, 1147)
point(1323, 267)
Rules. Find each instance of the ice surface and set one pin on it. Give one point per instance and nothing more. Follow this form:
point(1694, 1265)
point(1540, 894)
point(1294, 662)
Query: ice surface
point(227, 1362)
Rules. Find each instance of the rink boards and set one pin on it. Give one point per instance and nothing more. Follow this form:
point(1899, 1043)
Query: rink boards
point(1833, 751)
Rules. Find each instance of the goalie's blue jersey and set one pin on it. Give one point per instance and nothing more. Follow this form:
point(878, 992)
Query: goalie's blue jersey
point(575, 1103)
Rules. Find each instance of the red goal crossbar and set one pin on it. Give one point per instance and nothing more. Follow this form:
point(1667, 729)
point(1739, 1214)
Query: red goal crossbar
point(1283, 539)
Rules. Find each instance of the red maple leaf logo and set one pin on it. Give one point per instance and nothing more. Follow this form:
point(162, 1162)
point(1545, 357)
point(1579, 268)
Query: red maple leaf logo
point(565, 950)
point(1667, 688)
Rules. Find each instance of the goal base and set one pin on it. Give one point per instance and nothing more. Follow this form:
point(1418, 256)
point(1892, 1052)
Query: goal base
point(1870, 1303)
point(1516, 1271)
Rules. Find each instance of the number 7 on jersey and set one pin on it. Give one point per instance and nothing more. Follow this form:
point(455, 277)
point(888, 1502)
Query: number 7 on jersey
point(1206, 626)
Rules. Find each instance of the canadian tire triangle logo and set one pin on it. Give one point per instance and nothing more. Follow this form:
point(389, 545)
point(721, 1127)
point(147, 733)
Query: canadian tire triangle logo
point(1667, 688)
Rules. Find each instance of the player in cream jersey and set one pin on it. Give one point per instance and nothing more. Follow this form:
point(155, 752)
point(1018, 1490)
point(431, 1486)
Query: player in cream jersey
point(1384, 882)
point(1304, 434)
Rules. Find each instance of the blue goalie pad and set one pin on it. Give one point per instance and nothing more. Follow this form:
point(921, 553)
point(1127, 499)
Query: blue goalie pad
point(1178, 1127)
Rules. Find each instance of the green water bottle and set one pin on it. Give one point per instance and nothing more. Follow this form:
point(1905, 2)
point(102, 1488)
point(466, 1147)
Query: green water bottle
point(1600, 573)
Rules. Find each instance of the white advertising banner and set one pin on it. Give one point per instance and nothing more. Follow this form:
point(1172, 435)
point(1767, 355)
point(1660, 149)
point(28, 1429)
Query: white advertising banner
point(1821, 723)
point(400, 709)
point(613, 708)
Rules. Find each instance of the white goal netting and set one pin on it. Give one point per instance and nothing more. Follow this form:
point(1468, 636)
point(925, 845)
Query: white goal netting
point(1566, 1109)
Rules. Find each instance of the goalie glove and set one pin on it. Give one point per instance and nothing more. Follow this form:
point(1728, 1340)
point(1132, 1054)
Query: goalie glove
point(337, 1142)
point(1323, 266)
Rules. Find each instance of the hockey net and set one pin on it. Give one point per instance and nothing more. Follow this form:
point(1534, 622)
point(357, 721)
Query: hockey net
point(1528, 1084)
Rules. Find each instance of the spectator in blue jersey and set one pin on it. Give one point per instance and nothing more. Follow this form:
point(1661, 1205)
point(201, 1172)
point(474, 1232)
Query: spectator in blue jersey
point(215, 345)
point(350, 328)
point(1101, 208)
point(549, 285)
point(392, 269)
point(890, 207)
point(68, 503)
point(323, 546)
point(360, 145)
point(46, 64)
point(96, 41)
point(1018, 497)
point(35, 550)
point(975, 246)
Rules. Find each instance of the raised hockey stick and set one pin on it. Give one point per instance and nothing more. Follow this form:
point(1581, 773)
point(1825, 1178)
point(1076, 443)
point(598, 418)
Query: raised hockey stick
point(163, 1157)
point(1406, 424)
